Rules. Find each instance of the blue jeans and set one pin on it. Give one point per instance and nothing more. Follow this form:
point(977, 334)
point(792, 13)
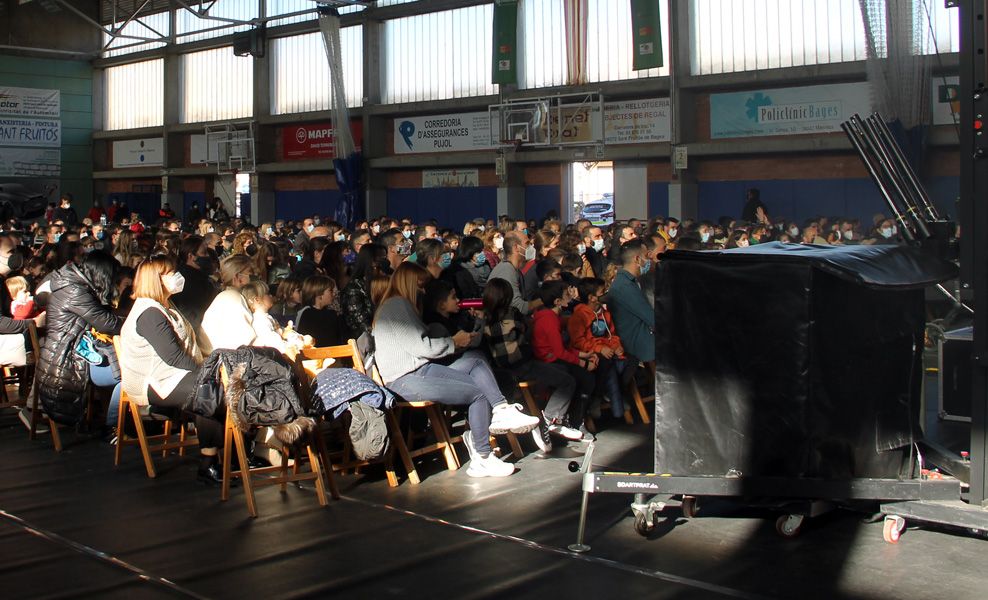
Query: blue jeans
point(608, 381)
point(103, 377)
point(468, 381)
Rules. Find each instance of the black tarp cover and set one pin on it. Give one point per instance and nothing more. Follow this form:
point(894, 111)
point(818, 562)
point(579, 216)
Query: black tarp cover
point(790, 361)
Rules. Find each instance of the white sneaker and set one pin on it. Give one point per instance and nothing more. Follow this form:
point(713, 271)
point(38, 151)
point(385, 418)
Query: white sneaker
point(566, 432)
point(471, 449)
point(508, 417)
point(25, 416)
point(491, 466)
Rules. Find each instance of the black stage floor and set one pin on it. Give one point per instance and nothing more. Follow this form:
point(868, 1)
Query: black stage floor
point(73, 526)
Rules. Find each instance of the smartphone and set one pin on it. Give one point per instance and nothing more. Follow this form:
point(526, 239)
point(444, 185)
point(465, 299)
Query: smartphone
point(471, 303)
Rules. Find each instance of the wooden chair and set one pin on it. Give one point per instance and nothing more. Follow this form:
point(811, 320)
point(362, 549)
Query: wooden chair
point(639, 400)
point(233, 440)
point(53, 427)
point(433, 412)
point(149, 444)
point(9, 375)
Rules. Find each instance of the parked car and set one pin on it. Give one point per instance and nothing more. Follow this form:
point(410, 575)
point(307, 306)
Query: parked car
point(599, 212)
point(18, 201)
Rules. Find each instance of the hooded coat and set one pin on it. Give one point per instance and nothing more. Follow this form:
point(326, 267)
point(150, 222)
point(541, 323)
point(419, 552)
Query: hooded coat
point(73, 308)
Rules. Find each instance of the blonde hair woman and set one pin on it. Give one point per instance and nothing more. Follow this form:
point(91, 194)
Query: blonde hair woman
point(228, 322)
point(406, 359)
point(160, 357)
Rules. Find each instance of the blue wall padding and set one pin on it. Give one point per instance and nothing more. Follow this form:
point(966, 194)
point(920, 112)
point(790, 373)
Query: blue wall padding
point(299, 204)
point(450, 207)
point(540, 199)
point(658, 199)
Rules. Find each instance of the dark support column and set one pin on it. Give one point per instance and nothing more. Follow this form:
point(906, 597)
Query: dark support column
point(683, 189)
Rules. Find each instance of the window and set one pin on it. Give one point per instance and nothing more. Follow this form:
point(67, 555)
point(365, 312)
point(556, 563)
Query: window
point(300, 72)
point(744, 35)
point(285, 7)
point(438, 55)
point(125, 109)
point(542, 44)
point(216, 85)
point(942, 28)
point(610, 50)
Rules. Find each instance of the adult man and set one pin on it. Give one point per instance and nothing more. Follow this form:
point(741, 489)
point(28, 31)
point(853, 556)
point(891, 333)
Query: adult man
point(670, 230)
point(593, 242)
point(199, 291)
point(754, 210)
point(358, 240)
point(398, 247)
point(301, 242)
point(65, 213)
point(624, 233)
point(518, 250)
point(634, 317)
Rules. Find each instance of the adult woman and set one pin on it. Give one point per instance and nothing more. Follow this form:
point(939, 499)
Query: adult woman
point(405, 359)
point(310, 262)
point(430, 254)
point(358, 310)
point(123, 248)
point(79, 300)
point(227, 323)
point(160, 355)
point(463, 273)
point(493, 245)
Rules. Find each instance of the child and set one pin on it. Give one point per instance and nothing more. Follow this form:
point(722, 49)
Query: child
point(316, 317)
point(592, 330)
point(22, 306)
point(504, 334)
point(288, 302)
point(547, 341)
point(266, 330)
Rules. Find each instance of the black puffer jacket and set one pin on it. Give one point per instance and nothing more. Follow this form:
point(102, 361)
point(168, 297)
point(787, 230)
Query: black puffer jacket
point(73, 308)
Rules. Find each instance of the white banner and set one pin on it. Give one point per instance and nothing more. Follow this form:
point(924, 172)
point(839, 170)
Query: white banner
point(30, 162)
point(787, 111)
point(148, 152)
point(637, 121)
point(30, 132)
point(444, 178)
point(30, 102)
point(443, 133)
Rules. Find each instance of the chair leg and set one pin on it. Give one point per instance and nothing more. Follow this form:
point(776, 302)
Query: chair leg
point(327, 465)
point(442, 436)
point(142, 439)
point(533, 407)
point(238, 440)
point(168, 434)
point(227, 458)
point(639, 404)
point(122, 410)
point(314, 466)
point(516, 450)
point(389, 467)
point(56, 437)
point(182, 432)
point(33, 432)
point(399, 441)
point(284, 468)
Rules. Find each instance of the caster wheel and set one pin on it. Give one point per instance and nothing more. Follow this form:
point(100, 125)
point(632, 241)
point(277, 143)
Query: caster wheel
point(690, 506)
point(892, 529)
point(573, 466)
point(643, 524)
point(789, 526)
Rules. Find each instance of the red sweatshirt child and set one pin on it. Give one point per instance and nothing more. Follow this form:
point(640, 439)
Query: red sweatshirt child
point(547, 339)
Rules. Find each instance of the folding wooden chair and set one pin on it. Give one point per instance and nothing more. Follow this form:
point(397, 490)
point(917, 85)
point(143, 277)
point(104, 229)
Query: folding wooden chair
point(233, 439)
point(149, 444)
point(639, 400)
point(10, 374)
point(56, 438)
point(433, 411)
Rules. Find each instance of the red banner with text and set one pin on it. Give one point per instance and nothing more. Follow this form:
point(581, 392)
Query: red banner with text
point(315, 140)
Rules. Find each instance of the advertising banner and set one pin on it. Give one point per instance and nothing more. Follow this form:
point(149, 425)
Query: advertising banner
point(148, 152)
point(35, 133)
point(444, 178)
point(315, 140)
point(637, 121)
point(443, 133)
point(30, 102)
point(647, 35)
point(505, 63)
point(946, 102)
point(787, 111)
point(30, 162)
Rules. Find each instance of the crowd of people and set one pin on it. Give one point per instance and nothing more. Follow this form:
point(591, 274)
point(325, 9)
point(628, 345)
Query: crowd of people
point(456, 316)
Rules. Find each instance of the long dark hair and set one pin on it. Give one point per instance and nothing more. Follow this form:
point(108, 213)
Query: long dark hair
point(100, 269)
point(469, 246)
point(367, 260)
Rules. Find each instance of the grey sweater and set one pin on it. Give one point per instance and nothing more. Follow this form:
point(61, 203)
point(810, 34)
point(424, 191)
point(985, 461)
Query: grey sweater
point(402, 340)
point(507, 271)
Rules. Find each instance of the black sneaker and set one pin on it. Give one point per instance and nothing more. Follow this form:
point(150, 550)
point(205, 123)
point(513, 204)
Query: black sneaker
point(541, 436)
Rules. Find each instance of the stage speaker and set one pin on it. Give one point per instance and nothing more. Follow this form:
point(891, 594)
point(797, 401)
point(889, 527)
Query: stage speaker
point(250, 43)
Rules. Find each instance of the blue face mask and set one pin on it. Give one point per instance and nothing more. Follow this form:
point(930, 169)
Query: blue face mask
point(598, 328)
point(647, 266)
point(407, 234)
point(58, 236)
point(705, 237)
point(445, 260)
point(480, 260)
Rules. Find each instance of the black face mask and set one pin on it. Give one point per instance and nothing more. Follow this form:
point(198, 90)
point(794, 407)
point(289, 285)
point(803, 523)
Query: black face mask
point(251, 250)
point(204, 263)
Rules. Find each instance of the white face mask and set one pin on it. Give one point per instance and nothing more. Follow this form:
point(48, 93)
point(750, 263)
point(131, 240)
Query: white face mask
point(174, 283)
point(340, 237)
point(309, 228)
point(895, 230)
point(705, 237)
point(598, 245)
point(499, 243)
point(886, 232)
point(530, 252)
point(742, 243)
point(581, 249)
point(376, 229)
point(848, 235)
point(794, 231)
point(672, 232)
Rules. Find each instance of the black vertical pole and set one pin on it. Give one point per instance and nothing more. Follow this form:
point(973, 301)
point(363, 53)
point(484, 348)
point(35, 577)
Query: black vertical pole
point(974, 223)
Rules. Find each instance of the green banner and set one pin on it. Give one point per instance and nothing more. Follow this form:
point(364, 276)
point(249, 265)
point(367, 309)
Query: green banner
point(505, 42)
point(647, 34)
